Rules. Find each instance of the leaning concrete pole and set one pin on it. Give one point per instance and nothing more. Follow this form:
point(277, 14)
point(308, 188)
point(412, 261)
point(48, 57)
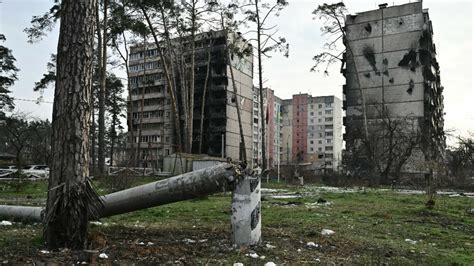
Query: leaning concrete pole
point(218, 178)
point(246, 214)
point(22, 213)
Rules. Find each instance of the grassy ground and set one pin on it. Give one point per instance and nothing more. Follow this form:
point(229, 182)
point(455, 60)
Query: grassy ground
point(371, 227)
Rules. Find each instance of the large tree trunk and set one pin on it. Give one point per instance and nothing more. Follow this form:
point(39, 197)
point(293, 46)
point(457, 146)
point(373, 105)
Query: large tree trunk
point(103, 77)
point(71, 199)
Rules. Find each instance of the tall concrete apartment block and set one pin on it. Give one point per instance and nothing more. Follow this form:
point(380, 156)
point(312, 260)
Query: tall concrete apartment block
point(148, 86)
point(274, 133)
point(312, 131)
point(273, 128)
point(394, 54)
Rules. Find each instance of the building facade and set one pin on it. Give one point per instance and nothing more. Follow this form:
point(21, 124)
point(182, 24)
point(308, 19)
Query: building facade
point(151, 110)
point(273, 128)
point(392, 75)
point(274, 133)
point(312, 131)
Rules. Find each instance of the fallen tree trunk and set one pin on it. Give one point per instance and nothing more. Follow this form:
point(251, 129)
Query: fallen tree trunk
point(218, 178)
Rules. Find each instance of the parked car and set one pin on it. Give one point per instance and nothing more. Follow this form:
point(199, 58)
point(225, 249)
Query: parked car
point(7, 171)
point(36, 171)
point(30, 171)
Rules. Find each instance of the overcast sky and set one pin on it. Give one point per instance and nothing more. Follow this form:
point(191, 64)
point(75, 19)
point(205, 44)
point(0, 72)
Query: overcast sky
point(452, 26)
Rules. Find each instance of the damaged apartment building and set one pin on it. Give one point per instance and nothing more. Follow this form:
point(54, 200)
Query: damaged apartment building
point(393, 79)
point(151, 101)
point(312, 131)
point(272, 106)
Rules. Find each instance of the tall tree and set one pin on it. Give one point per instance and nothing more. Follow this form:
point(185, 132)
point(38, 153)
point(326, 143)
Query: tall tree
point(115, 105)
point(8, 75)
point(15, 134)
point(124, 24)
point(334, 16)
point(102, 58)
point(71, 199)
point(266, 42)
point(40, 141)
point(167, 66)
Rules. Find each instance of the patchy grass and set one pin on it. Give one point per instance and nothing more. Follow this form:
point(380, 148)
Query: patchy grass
point(371, 227)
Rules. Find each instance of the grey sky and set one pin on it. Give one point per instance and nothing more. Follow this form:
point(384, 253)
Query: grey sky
point(452, 25)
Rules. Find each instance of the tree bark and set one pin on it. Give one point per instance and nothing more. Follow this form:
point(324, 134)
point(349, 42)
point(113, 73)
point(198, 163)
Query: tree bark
point(71, 199)
point(103, 77)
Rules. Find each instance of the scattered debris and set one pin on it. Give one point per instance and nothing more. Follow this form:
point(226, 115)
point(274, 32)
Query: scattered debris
point(238, 264)
point(292, 196)
point(44, 252)
point(269, 246)
point(270, 263)
point(252, 255)
point(202, 240)
point(312, 245)
point(327, 232)
point(413, 242)
point(95, 222)
point(271, 190)
point(150, 244)
point(6, 223)
point(103, 256)
point(189, 241)
point(298, 250)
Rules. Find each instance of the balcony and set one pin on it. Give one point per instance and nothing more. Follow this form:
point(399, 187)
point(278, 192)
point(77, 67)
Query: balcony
point(148, 96)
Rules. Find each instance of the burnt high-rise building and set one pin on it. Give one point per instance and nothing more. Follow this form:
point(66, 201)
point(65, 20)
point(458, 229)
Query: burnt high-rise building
point(152, 103)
